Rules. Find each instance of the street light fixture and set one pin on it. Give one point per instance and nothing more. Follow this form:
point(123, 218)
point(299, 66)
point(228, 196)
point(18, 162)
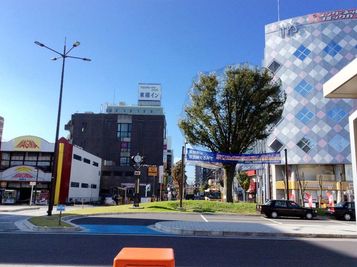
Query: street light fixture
point(63, 55)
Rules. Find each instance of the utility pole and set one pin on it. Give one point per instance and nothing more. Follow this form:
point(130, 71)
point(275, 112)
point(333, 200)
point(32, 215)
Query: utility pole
point(286, 173)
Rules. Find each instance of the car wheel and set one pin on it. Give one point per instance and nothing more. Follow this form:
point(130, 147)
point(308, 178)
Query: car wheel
point(274, 214)
point(309, 216)
point(347, 217)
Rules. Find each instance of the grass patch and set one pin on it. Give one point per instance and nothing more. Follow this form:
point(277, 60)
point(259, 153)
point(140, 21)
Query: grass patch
point(48, 221)
point(161, 206)
point(173, 206)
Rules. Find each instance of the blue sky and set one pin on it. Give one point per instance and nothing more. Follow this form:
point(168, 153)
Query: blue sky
point(129, 41)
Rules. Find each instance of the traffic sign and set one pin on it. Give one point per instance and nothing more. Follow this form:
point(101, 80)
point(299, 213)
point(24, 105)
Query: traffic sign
point(61, 207)
point(137, 173)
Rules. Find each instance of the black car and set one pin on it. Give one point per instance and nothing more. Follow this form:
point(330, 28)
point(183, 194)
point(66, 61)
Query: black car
point(286, 208)
point(344, 210)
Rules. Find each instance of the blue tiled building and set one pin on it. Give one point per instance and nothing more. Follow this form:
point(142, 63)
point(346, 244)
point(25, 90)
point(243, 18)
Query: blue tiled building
point(304, 52)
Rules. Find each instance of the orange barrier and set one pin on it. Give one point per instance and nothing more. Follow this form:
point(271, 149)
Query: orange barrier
point(135, 257)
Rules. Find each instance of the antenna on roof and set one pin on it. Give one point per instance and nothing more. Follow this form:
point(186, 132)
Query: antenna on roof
point(278, 10)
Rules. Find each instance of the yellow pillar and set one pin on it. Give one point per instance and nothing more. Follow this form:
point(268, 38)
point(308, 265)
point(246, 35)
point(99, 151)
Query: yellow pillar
point(59, 172)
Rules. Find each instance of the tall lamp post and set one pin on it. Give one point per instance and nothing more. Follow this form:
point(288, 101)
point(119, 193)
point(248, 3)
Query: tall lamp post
point(182, 173)
point(63, 55)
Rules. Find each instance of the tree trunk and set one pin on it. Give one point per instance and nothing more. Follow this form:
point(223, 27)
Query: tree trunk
point(229, 171)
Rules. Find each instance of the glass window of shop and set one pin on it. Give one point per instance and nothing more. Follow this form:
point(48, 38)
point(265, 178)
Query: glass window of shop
point(5, 160)
point(30, 159)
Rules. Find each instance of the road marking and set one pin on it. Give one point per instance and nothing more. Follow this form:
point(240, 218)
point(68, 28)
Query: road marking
point(203, 217)
point(339, 222)
point(270, 220)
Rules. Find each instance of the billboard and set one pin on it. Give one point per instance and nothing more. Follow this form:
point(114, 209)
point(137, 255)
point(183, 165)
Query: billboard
point(149, 92)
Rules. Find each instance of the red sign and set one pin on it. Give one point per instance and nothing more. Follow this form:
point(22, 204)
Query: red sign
point(26, 144)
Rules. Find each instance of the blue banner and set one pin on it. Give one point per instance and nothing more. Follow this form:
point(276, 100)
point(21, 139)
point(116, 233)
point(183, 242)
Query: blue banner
point(205, 156)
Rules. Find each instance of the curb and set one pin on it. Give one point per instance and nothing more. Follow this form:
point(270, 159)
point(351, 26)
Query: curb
point(25, 225)
point(202, 233)
point(20, 209)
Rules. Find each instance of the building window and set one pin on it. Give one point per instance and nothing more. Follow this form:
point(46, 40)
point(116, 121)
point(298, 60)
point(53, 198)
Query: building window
point(274, 66)
point(129, 173)
point(124, 161)
point(302, 52)
point(74, 184)
point(276, 145)
point(125, 147)
point(77, 157)
point(84, 185)
point(17, 156)
point(86, 160)
point(305, 115)
point(93, 186)
point(5, 156)
point(303, 88)
point(337, 114)
point(332, 48)
point(95, 164)
point(84, 127)
point(124, 130)
point(305, 144)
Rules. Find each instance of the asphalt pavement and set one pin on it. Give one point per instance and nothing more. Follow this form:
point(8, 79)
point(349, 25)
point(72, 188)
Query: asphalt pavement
point(207, 225)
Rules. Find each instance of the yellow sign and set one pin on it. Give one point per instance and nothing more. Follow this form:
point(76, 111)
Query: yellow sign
point(152, 170)
point(27, 143)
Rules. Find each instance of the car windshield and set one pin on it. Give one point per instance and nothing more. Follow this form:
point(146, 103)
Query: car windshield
point(267, 202)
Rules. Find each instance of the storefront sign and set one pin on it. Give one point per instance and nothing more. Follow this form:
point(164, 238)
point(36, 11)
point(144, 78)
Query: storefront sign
point(27, 143)
point(336, 15)
point(152, 170)
point(288, 30)
point(25, 173)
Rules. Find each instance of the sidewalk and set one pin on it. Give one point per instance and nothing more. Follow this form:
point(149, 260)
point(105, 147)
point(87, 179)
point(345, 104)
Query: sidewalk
point(219, 229)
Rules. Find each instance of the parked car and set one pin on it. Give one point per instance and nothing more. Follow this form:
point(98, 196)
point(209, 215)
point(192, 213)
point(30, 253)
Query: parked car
point(343, 210)
point(213, 196)
point(286, 208)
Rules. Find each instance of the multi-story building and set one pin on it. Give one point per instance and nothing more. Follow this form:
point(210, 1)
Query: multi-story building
point(304, 52)
point(1, 127)
point(120, 133)
point(26, 170)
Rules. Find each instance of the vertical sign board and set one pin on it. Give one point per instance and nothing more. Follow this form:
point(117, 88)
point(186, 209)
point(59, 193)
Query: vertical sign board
point(152, 170)
point(161, 174)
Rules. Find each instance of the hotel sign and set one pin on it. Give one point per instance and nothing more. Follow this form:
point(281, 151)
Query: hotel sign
point(149, 92)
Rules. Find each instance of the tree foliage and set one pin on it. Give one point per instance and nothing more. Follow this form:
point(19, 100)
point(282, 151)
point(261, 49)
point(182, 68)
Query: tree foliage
point(244, 180)
point(230, 113)
point(177, 176)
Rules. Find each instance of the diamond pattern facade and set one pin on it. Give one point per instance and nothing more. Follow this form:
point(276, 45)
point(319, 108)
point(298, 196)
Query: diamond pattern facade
point(311, 49)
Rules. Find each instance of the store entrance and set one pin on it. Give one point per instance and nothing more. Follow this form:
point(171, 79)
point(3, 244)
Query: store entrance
point(24, 196)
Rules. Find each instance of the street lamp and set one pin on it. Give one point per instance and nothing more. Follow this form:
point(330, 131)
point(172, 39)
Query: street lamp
point(63, 55)
point(182, 173)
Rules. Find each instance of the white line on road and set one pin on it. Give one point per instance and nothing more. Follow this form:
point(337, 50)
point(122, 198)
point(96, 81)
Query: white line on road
point(203, 217)
point(270, 220)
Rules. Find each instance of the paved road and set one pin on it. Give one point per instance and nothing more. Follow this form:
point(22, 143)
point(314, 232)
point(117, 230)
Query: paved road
point(99, 250)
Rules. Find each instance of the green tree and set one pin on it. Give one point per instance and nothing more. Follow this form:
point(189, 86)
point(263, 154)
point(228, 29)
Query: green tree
point(244, 181)
point(177, 176)
point(229, 114)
